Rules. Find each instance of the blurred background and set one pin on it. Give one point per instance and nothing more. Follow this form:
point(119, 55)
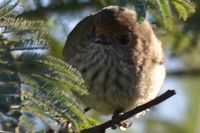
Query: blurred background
point(179, 114)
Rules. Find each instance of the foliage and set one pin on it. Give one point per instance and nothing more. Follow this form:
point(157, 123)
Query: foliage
point(184, 7)
point(12, 7)
point(186, 38)
point(180, 34)
point(32, 81)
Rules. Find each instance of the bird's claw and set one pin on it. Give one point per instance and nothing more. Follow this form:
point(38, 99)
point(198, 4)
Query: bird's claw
point(123, 125)
point(115, 116)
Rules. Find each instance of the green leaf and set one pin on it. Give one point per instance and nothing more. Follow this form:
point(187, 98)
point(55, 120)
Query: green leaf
point(183, 8)
point(51, 68)
point(12, 7)
point(165, 9)
point(19, 30)
point(28, 74)
point(55, 101)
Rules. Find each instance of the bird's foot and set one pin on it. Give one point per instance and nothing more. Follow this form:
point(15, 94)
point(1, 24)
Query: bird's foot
point(115, 116)
point(123, 125)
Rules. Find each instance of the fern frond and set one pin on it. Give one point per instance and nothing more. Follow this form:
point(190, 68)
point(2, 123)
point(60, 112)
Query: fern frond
point(23, 35)
point(29, 45)
point(7, 65)
point(92, 121)
point(165, 9)
point(4, 5)
point(8, 122)
point(20, 29)
point(9, 88)
point(184, 8)
point(53, 69)
point(12, 7)
point(34, 109)
point(20, 23)
point(9, 77)
point(44, 83)
point(9, 81)
point(10, 99)
point(48, 96)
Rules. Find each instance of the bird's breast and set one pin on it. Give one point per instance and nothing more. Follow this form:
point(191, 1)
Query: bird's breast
point(114, 84)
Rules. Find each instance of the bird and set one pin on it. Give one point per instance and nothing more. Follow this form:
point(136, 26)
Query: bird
point(120, 58)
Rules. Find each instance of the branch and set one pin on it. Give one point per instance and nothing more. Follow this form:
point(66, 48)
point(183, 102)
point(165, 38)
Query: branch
point(102, 127)
point(188, 72)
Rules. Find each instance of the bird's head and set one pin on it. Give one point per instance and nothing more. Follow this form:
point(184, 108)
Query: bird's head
point(114, 26)
point(112, 35)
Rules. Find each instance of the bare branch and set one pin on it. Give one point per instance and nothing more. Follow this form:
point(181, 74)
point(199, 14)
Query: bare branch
point(102, 127)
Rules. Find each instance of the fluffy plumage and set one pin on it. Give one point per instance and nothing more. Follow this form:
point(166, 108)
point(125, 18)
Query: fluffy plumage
point(121, 60)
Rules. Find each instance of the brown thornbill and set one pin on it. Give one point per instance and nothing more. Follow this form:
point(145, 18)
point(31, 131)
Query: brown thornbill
point(121, 59)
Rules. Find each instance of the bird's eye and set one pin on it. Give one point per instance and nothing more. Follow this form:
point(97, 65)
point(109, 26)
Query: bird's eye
point(124, 40)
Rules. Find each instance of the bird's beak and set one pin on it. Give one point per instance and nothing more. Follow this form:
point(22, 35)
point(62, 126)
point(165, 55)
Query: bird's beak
point(100, 40)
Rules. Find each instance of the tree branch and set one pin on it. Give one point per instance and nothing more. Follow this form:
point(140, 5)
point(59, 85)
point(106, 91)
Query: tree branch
point(188, 72)
point(102, 127)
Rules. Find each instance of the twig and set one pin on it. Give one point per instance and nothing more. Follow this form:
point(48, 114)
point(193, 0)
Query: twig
point(102, 127)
